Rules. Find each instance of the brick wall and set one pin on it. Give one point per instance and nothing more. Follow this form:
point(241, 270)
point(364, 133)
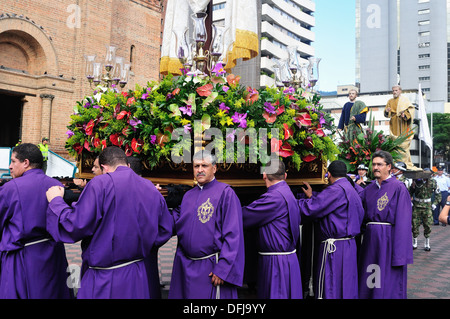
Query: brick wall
point(49, 38)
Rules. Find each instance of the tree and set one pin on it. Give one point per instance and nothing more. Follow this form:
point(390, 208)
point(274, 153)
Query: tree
point(441, 136)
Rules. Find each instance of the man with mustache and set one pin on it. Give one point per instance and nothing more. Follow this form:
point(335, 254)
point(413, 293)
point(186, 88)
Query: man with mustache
point(386, 248)
point(209, 261)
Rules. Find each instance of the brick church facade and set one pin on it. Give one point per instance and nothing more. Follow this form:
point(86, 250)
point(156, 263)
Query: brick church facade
point(42, 66)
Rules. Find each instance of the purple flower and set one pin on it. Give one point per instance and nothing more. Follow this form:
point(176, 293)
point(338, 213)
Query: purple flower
point(135, 122)
point(88, 104)
point(289, 90)
point(153, 139)
point(240, 118)
point(70, 134)
point(322, 119)
point(218, 69)
point(269, 108)
point(187, 128)
point(230, 137)
point(223, 107)
point(144, 96)
point(186, 110)
point(225, 88)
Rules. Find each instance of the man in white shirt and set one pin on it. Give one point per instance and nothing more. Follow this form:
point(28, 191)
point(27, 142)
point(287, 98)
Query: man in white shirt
point(443, 183)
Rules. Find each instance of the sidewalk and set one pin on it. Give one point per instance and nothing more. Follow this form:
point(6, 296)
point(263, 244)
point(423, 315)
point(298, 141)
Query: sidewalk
point(428, 277)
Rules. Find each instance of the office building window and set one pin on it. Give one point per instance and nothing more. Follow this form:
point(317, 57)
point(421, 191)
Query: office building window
point(424, 56)
point(424, 44)
point(424, 67)
point(424, 11)
point(424, 33)
point(424, 22)
point(424, 78)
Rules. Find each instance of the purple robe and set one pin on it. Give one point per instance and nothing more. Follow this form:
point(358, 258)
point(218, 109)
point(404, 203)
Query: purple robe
point(386, 249)
point(39, 270)
point(339, 213)
point(208, 223)
point(120, 217)
point(277, 216)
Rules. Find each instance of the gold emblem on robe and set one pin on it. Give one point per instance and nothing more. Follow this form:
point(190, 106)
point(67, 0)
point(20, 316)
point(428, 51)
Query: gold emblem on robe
point(205, 212)
point(382, 202)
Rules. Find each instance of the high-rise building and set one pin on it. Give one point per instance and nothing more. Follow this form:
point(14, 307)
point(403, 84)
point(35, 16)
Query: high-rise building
point(282, 23)
point(404, 42)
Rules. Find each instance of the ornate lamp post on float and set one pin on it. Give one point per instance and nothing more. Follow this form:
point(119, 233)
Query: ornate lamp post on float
point(193, 55)
point(117, 72)
point(290, 72)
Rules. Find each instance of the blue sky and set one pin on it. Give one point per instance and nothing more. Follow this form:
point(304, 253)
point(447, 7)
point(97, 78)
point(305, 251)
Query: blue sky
point(335, 42)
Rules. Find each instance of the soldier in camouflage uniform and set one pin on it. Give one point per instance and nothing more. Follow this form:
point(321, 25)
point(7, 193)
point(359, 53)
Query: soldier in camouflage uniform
point(422, 190)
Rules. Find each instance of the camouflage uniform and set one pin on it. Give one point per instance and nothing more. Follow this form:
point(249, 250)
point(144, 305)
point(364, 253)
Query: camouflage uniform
point(422, 212)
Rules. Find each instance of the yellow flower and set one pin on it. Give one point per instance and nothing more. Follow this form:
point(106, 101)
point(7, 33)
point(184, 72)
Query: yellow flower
point(250, 123)
point(185, 122)
point(221, 113)
point(226, 121)
point(291, 112)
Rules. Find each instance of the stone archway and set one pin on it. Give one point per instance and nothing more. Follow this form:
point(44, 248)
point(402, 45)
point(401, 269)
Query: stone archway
point(25, 44)
point(28, 68)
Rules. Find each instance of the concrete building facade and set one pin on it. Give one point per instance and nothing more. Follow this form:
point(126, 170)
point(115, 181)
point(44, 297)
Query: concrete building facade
point(404, 42)
point(282, 23)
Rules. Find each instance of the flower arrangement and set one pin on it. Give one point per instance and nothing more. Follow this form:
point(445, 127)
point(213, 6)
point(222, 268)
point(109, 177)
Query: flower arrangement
point(360, 150)
point(142, 121)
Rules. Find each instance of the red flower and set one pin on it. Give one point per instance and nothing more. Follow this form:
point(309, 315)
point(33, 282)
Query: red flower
point(122, 114)
point(205, 90)
point(89, 127)
point(103, 144)
point(176, 91)
point(286, 150)
point(136, 144)
point(280, 109)
point(130, 101)
point(124, 94)
point(308, 158)
point(270, 118)
point(78, 148)
point(86, 145)
point(303, 119)
point(275, 145)
point(96, 142)
point(319, 132)
point(128, 150)
point(288, 132)
point(308, 142)
point(115, 139)
point(233, 80)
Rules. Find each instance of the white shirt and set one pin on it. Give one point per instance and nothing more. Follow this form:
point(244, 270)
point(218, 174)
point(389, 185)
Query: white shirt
point(443, 182)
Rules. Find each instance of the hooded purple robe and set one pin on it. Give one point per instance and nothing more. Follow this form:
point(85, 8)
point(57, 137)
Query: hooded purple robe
point(119, 217)
point(38, 270)
point(277, 216)
point(386, 248)
point(338, 213)
point(208, 223)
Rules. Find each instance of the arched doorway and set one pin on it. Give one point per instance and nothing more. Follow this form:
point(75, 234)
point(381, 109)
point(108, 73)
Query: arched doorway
point(11, 108)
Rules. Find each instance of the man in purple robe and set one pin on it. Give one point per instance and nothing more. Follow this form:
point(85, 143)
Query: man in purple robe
point(120, 217)
point(338, 213)
point(209, 261)
point(386, 248)
point(277, 216)
point(33, 265)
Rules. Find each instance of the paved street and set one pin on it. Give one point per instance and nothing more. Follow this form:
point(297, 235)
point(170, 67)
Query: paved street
point(428, 277)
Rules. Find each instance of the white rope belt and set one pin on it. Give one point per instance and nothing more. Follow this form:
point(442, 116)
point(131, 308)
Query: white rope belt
point(276, 253)
point(379, 223)
point(36, 242)
point(116, 266)
point(328, 248)
point(217, 261)
point(426, 200)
